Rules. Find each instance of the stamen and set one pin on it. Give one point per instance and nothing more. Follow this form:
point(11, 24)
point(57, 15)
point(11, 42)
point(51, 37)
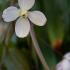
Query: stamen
point(23, 13)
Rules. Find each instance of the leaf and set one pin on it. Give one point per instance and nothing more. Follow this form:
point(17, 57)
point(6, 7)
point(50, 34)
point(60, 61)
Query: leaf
point(3, 4)
point(16, 60)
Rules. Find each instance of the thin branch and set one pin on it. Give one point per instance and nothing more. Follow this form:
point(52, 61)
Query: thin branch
point(6, 37)
point(37, 49)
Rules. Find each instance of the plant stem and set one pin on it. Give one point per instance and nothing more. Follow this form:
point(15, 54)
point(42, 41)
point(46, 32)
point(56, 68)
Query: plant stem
point(6, 40)
point(5, 44)
point(37, 49)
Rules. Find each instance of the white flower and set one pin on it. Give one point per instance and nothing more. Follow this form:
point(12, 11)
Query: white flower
point(67, 56)
point(22, 26)
point(65, 63)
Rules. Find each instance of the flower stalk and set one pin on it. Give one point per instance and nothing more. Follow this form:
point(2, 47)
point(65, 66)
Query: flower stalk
point(37, 49)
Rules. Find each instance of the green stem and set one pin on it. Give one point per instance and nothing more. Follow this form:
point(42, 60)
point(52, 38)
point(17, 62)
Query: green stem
point(7, 35)
point(6, 38)
point(37, 49)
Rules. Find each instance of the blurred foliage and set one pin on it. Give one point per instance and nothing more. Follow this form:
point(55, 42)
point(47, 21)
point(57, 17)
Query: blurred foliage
point(53, 38)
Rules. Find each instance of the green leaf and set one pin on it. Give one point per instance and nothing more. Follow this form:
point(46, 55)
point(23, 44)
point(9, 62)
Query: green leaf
point(3, 4)
point(17, 60)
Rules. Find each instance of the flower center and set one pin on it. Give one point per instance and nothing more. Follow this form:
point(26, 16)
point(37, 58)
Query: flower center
point(23, 13)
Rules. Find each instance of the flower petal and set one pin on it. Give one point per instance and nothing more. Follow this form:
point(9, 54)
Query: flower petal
point(22, 27)
point(10, 14)
point(37, 18)
point(67, 56)
point(59, 66)
point(66, 64)
point(63, 65)
point(26, 4)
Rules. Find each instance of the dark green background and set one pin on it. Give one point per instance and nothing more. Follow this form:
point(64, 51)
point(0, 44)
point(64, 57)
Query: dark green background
point(22, 56)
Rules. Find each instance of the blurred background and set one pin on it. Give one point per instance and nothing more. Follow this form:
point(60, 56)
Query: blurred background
point(53, 38)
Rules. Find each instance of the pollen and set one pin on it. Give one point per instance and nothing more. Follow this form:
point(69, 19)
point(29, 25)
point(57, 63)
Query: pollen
point(23, 13)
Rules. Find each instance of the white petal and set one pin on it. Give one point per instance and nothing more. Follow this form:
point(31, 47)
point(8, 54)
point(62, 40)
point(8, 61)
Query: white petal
point(22, 27)
point(67, 56)
point(10, 14)
point(66, 64)
point(59, 66)
point(26, 4)
point(63, 65)
point(37, 18)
